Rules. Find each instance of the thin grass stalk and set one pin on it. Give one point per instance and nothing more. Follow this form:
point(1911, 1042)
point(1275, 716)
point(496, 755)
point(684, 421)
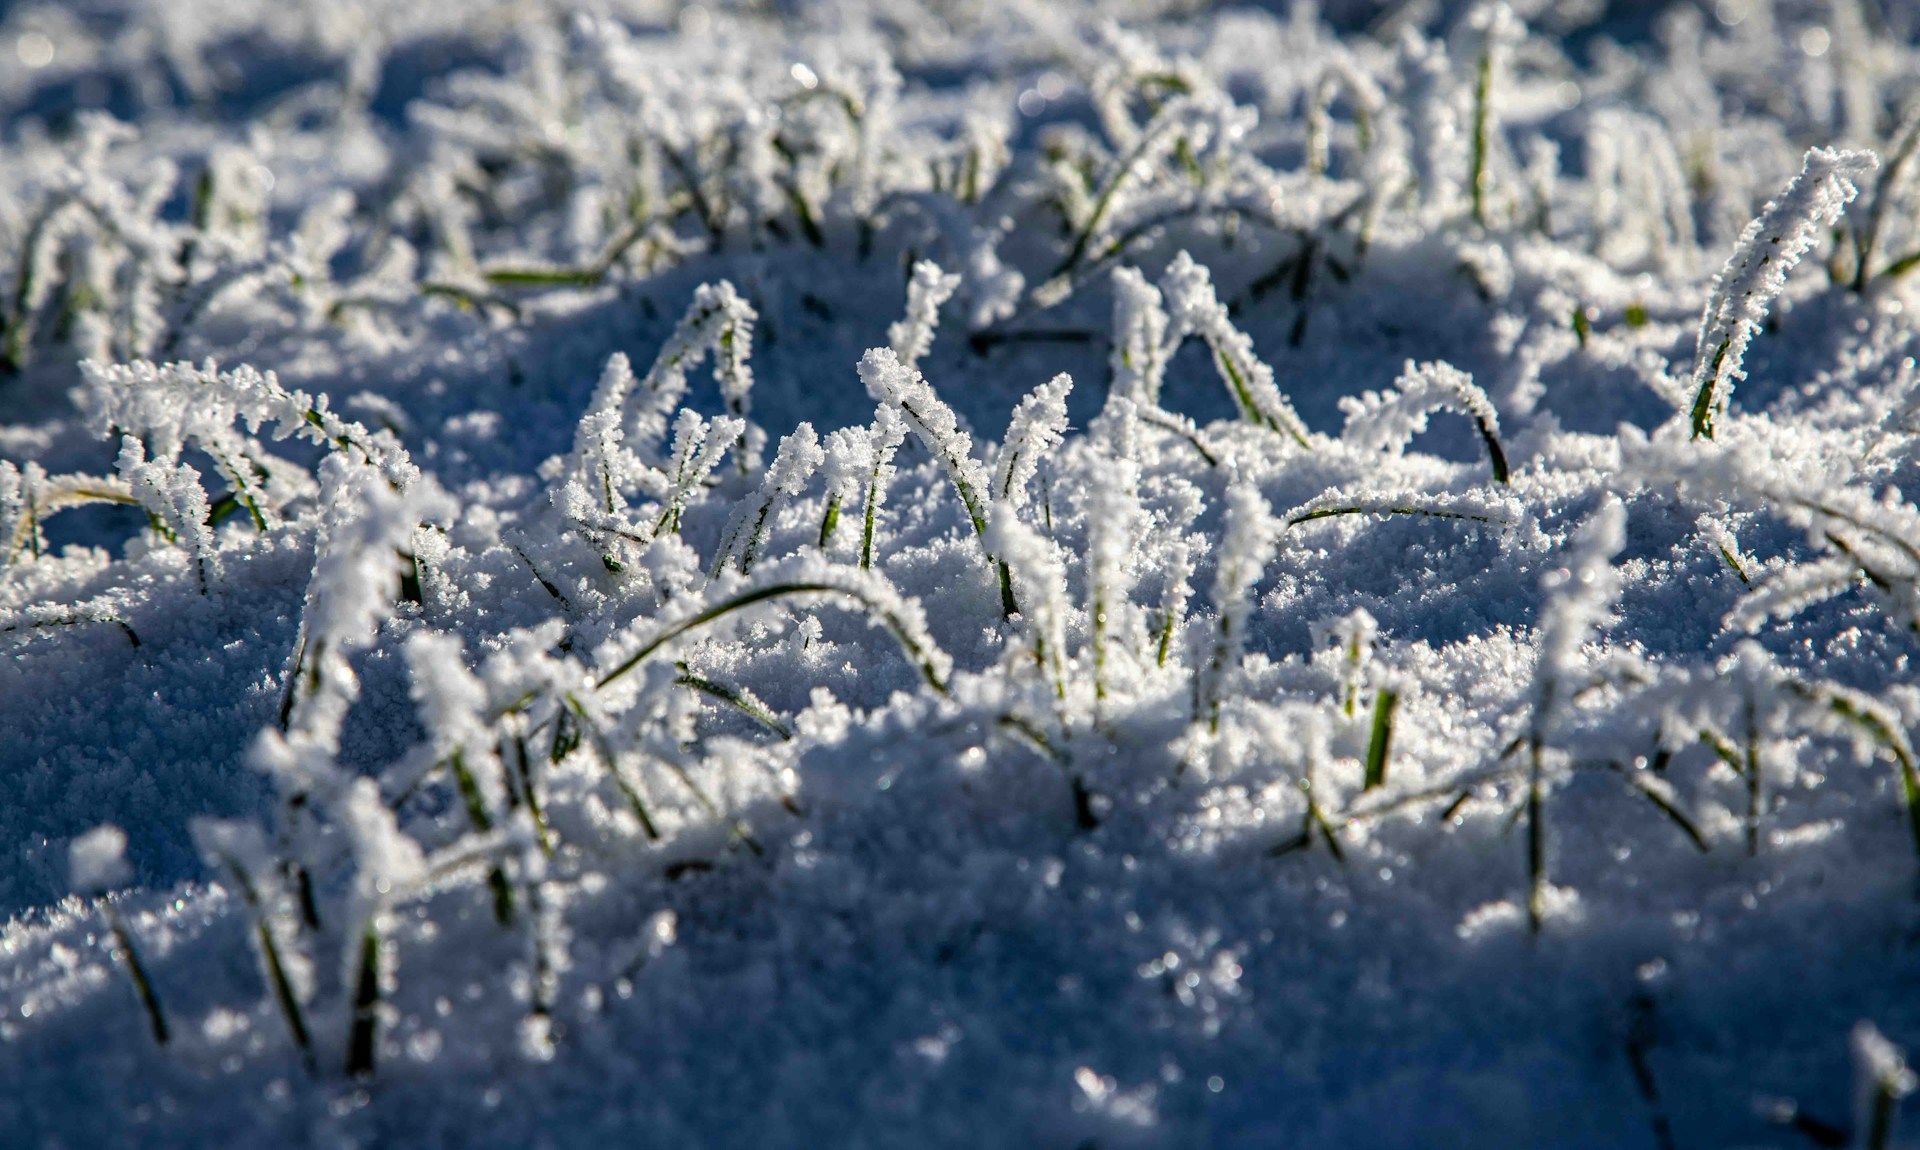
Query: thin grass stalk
point(1428, 512)
point(610, 759)
point(922, 659)
point(1751, 766)
point(137, 972)
point(363, 1036)
point(1084, 816)
point(277, 980)
point(1665, 805)
point(1867, 238)
point(476, 808)
point(829, 521)
point(522, 773)
point(867, 524)
point(1478, 175)
point(1536, 837)
point(1165, 645)
point(740, 701)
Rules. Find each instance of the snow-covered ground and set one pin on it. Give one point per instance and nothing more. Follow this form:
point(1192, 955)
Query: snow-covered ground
point(976, 574)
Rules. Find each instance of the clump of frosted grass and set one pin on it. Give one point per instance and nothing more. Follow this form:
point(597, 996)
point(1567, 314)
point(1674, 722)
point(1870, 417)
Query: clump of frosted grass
point(627, 417)
point(895, 385)
point(1861, 536)
point(178, 404)
point(1196, 310)
point(176, 504)
point(698, 447)
point(1744, 707)
point(932, 422)
point(1364, 97)
point(1035, 431)
point(1889, 192)
point(799, 456)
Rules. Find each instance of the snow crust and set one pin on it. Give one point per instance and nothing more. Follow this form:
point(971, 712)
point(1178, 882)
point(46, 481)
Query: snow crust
point(886, 573)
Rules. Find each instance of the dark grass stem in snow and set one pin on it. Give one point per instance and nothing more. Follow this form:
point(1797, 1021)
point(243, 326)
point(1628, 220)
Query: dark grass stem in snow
point(482, 822)
point(741, 700)
point(137, 971)
point(574, 721)
point(363, 1034)
point(1386, 704)
point(1499, 31)
point(96, 864)
point(273, 964)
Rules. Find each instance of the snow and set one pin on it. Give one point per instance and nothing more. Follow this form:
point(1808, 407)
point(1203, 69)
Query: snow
point(1221, 592)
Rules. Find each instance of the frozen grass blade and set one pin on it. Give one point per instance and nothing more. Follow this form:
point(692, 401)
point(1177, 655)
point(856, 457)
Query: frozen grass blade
point(893, 383)
point(1579, 595)
point(743, 701)
point(363, 1035)
point(1388, 421)
point(96, 863)
point(1380, 739)
point(279, 981)
point(1245, 549)
point(899, 616)
point(1196, 310)
point(1490, 509)
point(1882, 1079)
point(1756, 273)
point(1658, 792)
point(137, 971)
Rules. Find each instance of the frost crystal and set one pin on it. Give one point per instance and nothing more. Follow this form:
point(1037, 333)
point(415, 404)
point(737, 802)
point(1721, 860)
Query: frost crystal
point(97, 860)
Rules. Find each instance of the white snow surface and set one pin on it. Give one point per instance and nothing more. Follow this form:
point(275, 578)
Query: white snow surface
point(654, 573)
